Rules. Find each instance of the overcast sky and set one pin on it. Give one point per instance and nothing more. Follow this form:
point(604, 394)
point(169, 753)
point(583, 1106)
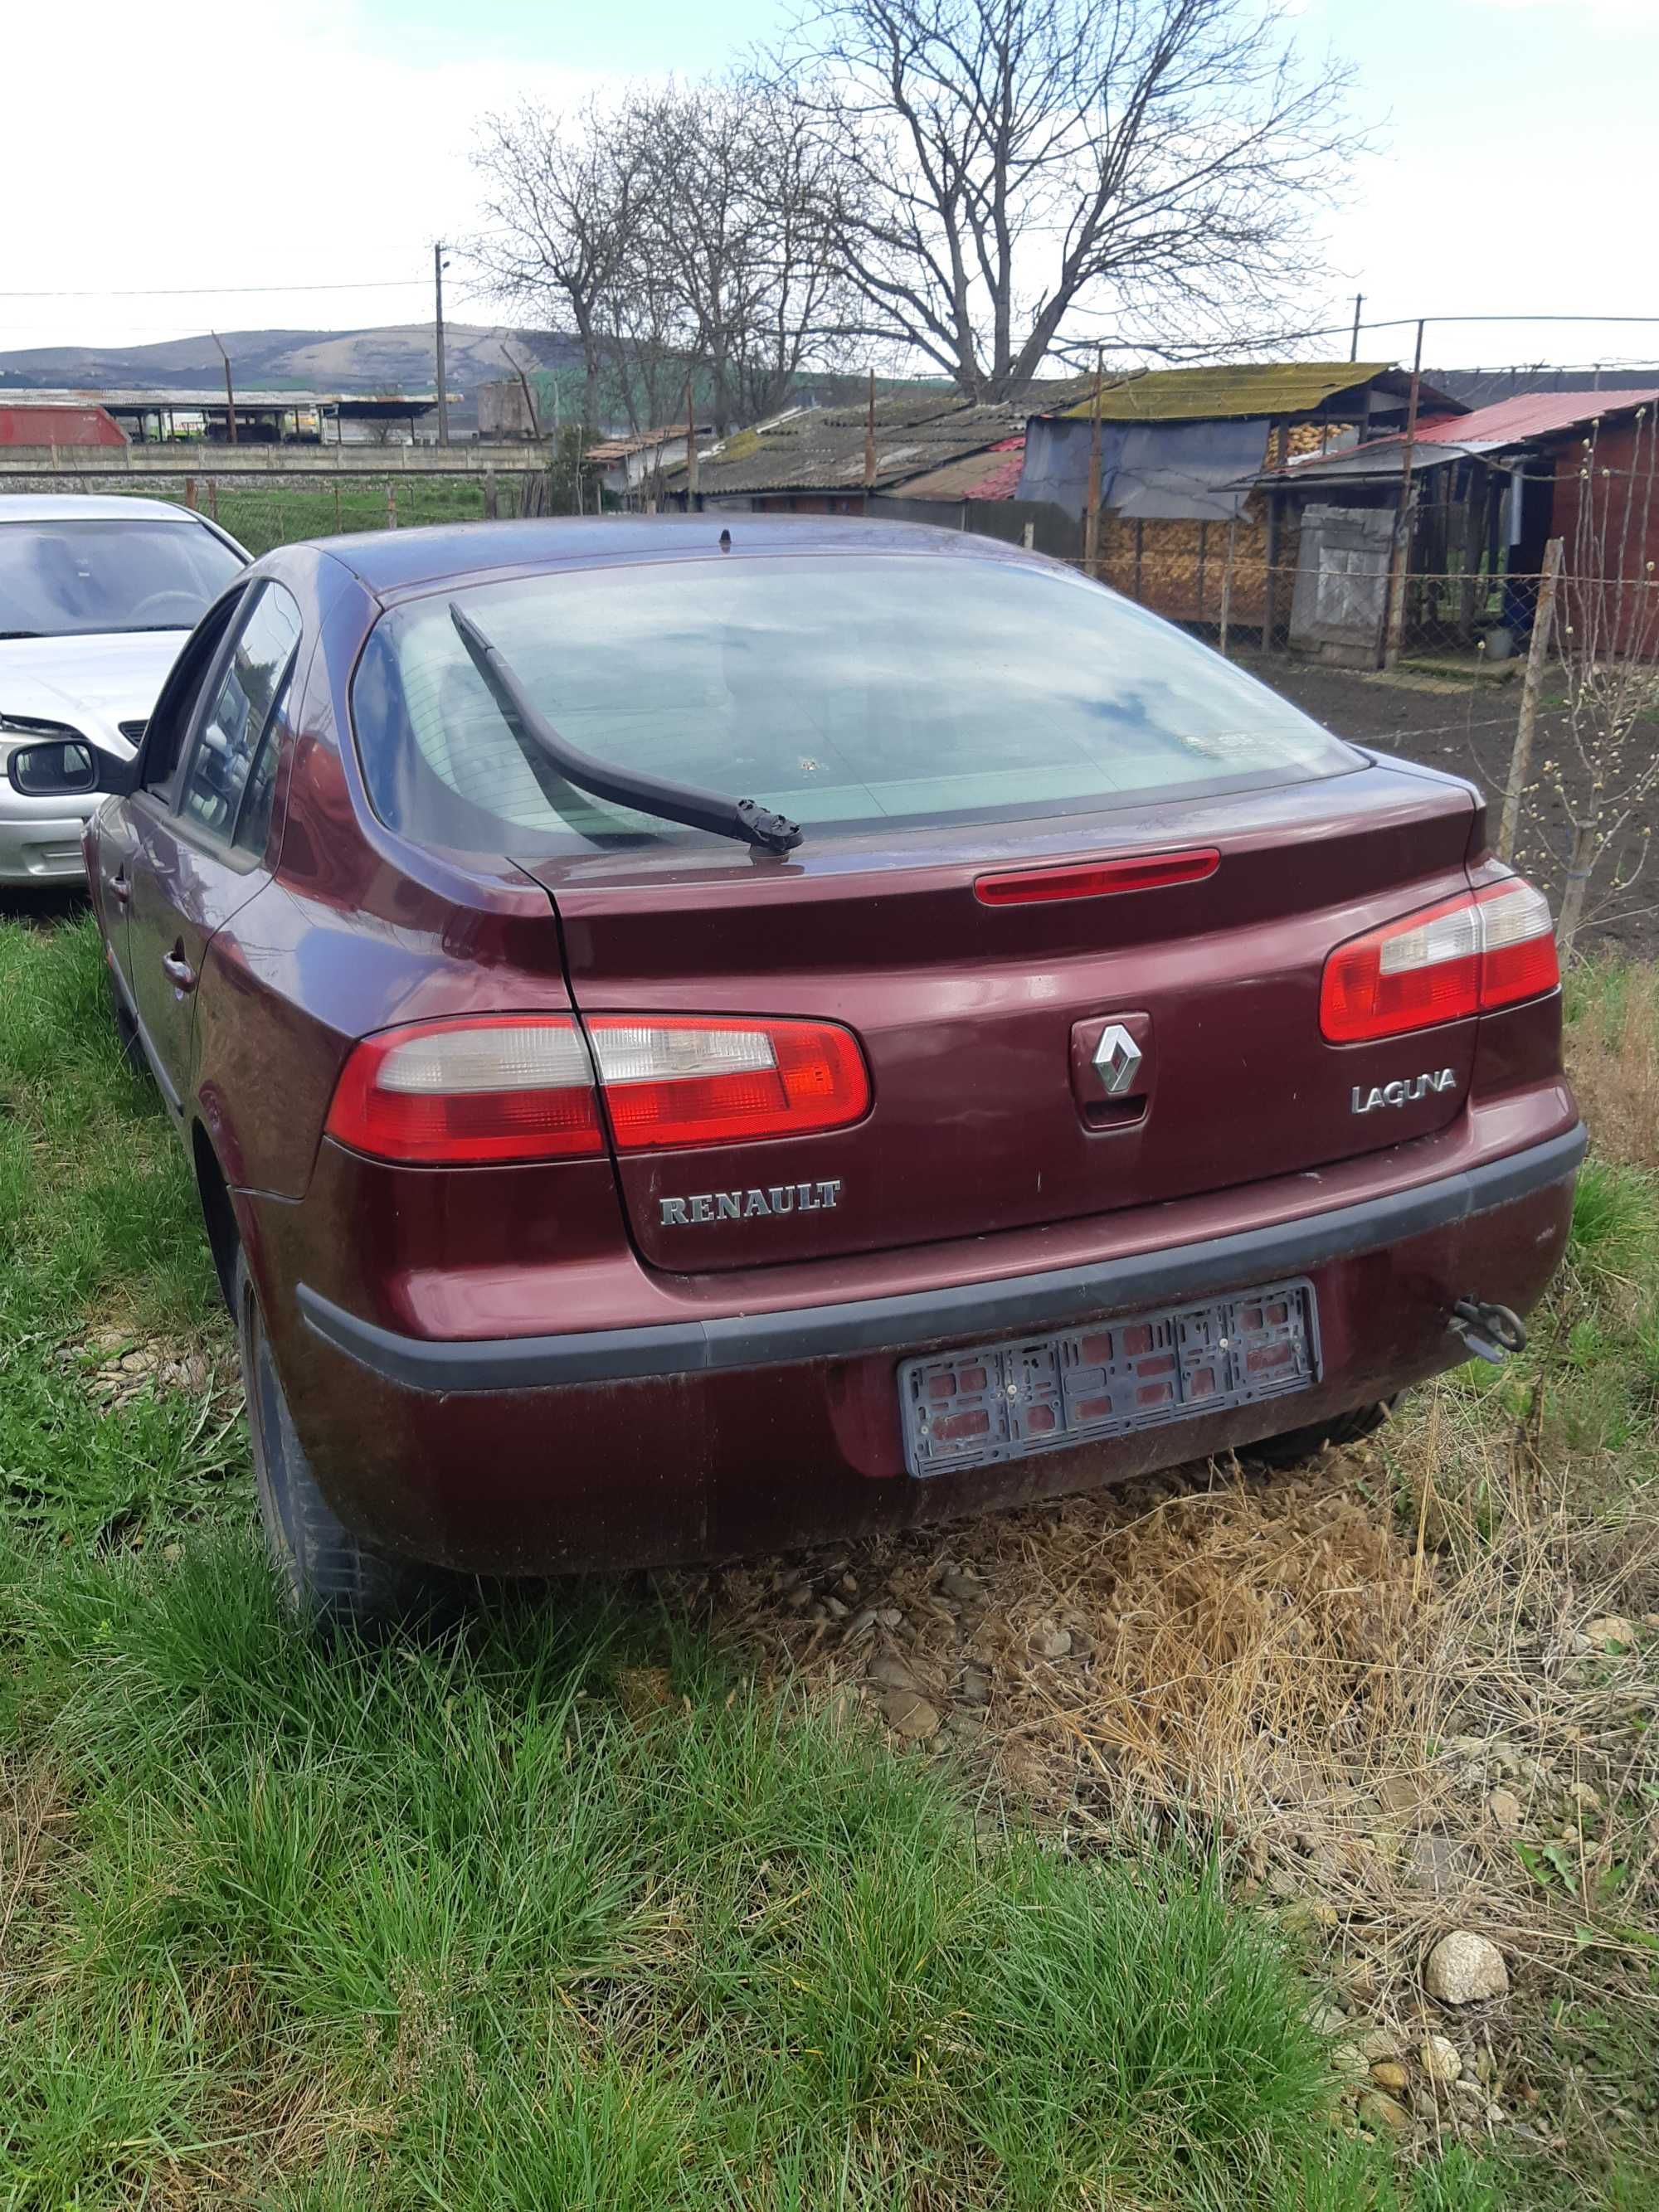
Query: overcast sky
point(155, 171)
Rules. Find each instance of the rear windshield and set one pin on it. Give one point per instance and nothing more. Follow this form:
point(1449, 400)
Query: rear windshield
point(845, 691)
point(70, 579)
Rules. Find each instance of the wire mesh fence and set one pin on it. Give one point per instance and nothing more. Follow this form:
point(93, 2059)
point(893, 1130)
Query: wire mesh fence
point(1359, 612)
point(262, 515)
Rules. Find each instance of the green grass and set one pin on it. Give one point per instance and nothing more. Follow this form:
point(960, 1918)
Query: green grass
point(262, 516)
point(534, 1952)
point(492, 1918)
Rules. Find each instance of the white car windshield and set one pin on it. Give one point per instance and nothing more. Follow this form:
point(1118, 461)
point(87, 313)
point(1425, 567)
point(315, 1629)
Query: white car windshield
point(69, 578)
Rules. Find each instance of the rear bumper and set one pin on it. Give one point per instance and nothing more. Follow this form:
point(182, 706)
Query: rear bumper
point(1055, 1299)
point(741, 1432)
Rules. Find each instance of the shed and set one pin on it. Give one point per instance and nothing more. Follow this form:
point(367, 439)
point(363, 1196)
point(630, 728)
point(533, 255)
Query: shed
point(1490, 489)
point(629, 467)
point(980, 493)
point(1185, 512)
point(834, 460)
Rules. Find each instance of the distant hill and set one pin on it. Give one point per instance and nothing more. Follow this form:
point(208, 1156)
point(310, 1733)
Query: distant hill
point(397, 357)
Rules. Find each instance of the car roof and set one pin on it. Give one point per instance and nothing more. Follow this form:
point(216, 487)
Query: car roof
point(61, 505)
point(389, 561)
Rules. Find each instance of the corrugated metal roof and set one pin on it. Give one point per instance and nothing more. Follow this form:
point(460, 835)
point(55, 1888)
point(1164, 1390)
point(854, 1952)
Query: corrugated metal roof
point(993, 474)
point(1529, 415)
point(1267, 388)
point(1444, 438)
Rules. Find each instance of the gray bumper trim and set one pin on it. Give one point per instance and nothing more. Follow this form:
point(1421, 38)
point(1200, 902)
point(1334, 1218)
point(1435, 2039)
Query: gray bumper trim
point(1004, 1306)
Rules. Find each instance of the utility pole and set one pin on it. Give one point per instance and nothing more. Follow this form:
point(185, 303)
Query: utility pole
point(1353, 349)
point(1092, 514)
point(690, 446)
point(230, 392)
point(870, 442)
point(438, 264)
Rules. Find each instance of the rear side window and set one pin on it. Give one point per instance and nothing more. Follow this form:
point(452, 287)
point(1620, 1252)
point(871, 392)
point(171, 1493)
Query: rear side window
point(236, 731)
point(844, 691)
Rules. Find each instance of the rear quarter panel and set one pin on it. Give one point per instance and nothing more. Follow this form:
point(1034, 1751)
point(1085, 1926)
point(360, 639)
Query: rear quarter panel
point(350, 935)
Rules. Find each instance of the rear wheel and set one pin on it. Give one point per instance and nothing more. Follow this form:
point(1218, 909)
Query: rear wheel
point(328, 1575)
point(1297, 1444)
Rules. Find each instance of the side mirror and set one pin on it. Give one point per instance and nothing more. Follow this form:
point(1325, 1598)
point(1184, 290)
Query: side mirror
point(60, 768)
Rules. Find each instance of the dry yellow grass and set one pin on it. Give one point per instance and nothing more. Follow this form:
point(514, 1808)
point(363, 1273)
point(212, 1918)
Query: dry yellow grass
point(1613, 1053)
point(1369, 1679)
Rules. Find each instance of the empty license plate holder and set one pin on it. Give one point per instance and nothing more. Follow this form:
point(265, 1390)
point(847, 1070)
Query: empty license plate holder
point(1033, 1393)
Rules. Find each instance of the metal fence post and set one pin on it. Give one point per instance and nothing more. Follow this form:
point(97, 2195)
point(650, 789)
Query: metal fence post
point(391, 507)
point(1537, 655)
point(491, 506)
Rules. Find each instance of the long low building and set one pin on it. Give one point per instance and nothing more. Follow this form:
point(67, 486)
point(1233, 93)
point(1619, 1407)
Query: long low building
point(263, 417)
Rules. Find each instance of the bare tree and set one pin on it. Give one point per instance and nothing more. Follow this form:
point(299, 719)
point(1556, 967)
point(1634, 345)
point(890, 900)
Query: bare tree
point(1021, 171)
point(688, 225)
point(744, 218)
point(563, 199)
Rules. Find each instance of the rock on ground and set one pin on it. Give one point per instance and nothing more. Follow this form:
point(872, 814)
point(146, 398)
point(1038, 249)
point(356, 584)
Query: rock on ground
point(909, 1715)
point(1463, 1968)
point(1440, 2060)
point(1377, 2111)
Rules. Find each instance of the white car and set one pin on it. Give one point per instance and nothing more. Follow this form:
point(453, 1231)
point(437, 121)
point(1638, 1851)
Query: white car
point(96, 597)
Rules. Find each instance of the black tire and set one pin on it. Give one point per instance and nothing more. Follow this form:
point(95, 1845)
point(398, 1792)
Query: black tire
point(328, 1577)
point(1294, 1445)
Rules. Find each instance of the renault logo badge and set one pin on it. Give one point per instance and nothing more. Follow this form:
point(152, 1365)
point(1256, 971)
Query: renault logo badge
point(1117, 1058)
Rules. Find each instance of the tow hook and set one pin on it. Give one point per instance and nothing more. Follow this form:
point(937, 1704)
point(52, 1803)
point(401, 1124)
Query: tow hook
point(1492, 1332)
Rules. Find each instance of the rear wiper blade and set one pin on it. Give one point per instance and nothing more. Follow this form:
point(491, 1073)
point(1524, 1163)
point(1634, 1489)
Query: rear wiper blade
point(746, 820)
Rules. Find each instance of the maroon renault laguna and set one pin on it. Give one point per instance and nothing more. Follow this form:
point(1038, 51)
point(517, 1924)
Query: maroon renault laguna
point(698, 1036)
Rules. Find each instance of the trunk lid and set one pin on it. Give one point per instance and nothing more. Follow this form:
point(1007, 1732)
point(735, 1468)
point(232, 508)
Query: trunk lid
point(979, 1023)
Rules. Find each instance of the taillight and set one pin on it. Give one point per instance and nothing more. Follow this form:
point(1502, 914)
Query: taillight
point(484, 1087)
point(681, 1079)
point(1464, 955)
point(521, 1086)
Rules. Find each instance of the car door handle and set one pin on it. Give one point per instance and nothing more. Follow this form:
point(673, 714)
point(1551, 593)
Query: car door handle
point(178, 971)
point(120, 887)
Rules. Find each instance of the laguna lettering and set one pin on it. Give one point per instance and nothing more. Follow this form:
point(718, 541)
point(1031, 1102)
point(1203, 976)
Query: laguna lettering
point(1405, 1093)
point(746, 1205)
